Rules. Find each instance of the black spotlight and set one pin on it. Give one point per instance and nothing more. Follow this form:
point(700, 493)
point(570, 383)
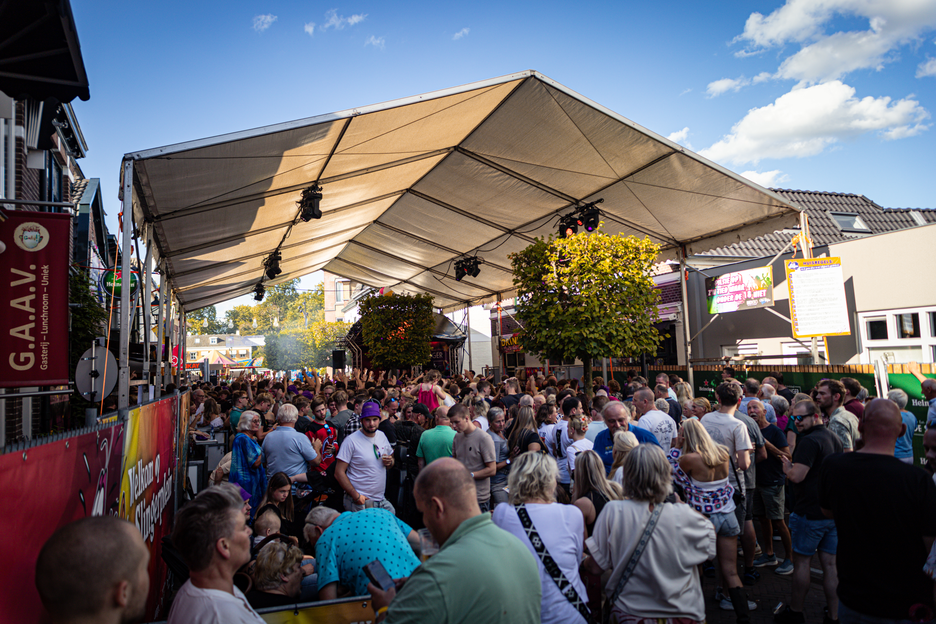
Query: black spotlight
point(590, 219)
point(309, 203)
point(467, 266)
point(259, 291)
point(568, 226)
point(271, 264)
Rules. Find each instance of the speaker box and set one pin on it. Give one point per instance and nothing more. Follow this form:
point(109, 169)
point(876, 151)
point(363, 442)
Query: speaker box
point(338, 360)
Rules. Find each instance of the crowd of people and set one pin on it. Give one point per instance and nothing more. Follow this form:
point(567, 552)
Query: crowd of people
point(539, 502)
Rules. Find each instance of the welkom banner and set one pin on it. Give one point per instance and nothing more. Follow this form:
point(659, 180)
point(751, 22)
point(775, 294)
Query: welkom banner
point(147, 494)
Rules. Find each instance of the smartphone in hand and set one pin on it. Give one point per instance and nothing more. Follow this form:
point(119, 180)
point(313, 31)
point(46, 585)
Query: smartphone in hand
point(378, 575)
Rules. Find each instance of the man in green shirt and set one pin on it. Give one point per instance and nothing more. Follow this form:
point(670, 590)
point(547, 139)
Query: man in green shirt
point(481, 572)
point(437, 442)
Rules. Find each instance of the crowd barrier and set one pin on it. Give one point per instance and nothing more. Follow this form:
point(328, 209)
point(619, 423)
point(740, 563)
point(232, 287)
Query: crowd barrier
point(128, 468)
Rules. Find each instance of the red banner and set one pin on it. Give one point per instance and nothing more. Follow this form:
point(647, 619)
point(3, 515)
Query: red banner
point(34, 322)
point(42, 489)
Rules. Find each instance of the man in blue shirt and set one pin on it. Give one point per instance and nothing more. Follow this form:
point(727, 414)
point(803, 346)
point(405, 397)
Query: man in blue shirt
point(928, 387)
point(616, 417)
point(345, 543)
point(287, 450)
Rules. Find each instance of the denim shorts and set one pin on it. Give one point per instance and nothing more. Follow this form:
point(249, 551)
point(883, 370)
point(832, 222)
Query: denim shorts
point(726, 524)
point(811, 535)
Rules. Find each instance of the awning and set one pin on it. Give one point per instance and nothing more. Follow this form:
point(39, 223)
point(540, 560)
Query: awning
point(40, 56)
point(412, 185)
point(220, 358)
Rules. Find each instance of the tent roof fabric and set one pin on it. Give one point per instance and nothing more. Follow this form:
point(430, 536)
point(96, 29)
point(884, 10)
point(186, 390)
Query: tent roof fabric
point(412, 185)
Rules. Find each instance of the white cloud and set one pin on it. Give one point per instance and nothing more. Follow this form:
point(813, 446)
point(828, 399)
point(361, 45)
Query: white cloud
point(461, 33)
point(262, 22)
point(806, 121)
point(310, 28)
point(762, 77)
point(926, 68)
point(339, 22)
point(681, 137)
point(725, 85)
point(689, 90)
point(377, 42)
point(825, 57)
point(767, 179)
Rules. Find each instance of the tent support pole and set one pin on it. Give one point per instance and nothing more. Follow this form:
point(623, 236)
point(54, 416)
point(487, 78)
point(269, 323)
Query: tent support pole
point(685, 314)
point(123, 379)
point(468, 325)
point(147, 314)
point(160, 334)
point(181, 341)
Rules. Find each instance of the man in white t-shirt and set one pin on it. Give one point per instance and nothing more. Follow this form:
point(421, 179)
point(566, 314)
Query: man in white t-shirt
point(362, 462)
point(212, 535)
point(652, 419)
point(725, 429)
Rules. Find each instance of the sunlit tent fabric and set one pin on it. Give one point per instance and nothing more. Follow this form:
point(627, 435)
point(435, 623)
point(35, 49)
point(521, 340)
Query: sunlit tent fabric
point(220, 358)
point(412, 185)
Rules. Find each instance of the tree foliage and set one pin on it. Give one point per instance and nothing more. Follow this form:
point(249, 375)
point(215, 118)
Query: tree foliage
point(206, 321)
point(586, 296)
point(397, 329)
point(88, 321)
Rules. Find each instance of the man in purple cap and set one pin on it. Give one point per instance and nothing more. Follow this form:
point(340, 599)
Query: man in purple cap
point(363, 459)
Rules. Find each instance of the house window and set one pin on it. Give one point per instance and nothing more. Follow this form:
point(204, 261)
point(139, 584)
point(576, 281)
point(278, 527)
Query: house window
point(850, 222)
point(242, 353)
point(192, 355)
point(342, 291)
point(932, 319)
point(213, 340)
point(877, 329)
point(908, 325)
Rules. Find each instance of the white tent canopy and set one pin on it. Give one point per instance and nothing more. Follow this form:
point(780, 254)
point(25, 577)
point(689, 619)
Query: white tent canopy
point(412, 185)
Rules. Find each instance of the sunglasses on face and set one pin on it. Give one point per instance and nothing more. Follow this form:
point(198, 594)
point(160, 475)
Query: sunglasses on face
point(798, 418)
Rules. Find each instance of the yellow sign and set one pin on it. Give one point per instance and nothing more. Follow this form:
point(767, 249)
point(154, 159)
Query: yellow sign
point(350, 611)
point(510, 344)
point(817, 297)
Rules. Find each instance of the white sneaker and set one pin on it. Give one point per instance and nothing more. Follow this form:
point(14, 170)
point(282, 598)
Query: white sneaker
point(725, 604)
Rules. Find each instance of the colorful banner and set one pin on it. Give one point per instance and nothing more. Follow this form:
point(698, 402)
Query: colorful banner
point(147, 494)
point(741, 290)
point(42, 489)
point(510, 343)
point(817, 297)
point(34, 322)
point(182, 445)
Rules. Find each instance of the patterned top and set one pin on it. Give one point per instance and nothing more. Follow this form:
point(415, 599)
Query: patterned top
point(244, 454)
point(716, 498)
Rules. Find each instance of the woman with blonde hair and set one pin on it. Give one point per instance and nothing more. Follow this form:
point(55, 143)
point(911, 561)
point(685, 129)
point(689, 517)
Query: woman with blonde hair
point(592, 490)
point(700, 407)
point(624, 443)
point(577, 428)
point(534, 515)
point(701, 466)
point(277, 576)
point(683, 392)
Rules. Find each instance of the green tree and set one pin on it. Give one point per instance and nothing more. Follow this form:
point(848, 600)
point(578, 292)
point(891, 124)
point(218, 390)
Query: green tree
point(397, 329)
point(206, 321)
point(298, 347)
point(588, 295)
point(241, 319)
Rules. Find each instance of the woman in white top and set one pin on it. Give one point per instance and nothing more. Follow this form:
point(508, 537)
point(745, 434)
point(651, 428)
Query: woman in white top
point(577, 427)
point(532, 483)
point(665, 583)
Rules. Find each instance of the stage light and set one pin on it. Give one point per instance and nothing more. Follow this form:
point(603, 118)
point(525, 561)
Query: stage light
point(590, 219)
point(271, 264)
point(568, 226)
point(309, 203)
point(259, 291)
point(467, 266)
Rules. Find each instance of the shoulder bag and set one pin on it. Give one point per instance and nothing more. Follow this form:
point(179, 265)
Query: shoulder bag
point(632, 563)
point(552, 568)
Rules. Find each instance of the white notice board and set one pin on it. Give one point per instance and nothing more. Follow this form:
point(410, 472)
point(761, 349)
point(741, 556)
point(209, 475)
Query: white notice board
point(817, 297)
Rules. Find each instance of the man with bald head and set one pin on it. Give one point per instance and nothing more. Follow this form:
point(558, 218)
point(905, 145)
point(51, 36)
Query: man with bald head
point(94, 570)
point(481, 572)
point(885, 516)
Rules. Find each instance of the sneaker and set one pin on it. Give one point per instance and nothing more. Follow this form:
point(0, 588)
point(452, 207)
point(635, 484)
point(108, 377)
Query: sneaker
point(725, 604)
point(785, 568)
point(766, 560)
point(776, 538)
point(757, 549)
point(750, 577)
point(789, 616)
point(721, 595)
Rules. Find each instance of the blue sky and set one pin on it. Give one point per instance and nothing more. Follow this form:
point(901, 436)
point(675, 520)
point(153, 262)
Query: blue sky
point(827, 95)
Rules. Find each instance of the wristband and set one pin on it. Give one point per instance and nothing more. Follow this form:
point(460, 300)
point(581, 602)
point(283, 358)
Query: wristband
point(472, 475)
point(380, 611)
